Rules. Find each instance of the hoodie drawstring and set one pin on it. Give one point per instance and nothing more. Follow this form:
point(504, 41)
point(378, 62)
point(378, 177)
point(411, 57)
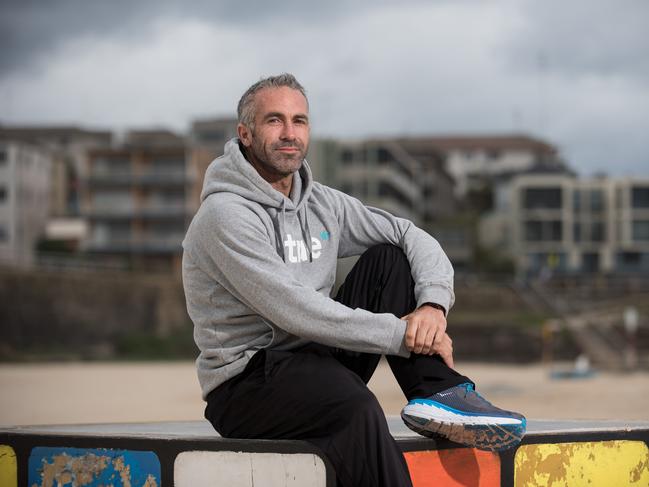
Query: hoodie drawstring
point(307, 237)
point(282, 229)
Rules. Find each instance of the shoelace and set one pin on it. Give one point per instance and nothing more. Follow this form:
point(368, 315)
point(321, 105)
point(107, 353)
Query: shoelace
point(468, 389)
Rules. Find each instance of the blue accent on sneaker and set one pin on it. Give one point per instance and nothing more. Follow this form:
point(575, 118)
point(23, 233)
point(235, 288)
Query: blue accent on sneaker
point(463, 401)
point(464, 405)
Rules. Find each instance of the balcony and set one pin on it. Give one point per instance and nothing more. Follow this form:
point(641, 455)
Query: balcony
point(142, 245)
point(153, 212)
point(169, 177)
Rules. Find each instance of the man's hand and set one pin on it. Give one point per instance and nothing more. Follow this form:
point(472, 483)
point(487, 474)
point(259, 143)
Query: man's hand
point(426, 333)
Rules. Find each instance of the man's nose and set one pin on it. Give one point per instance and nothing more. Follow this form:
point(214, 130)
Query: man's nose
point(288, 131)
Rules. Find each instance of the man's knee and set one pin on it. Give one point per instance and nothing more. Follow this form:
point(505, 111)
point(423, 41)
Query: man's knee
point(386, 252)
point(365, 404)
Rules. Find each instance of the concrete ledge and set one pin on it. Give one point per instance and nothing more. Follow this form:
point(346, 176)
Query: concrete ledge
point(191, 454)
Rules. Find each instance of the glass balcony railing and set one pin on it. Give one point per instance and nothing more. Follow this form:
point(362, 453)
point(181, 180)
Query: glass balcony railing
point(141, 244)
point(169, 176)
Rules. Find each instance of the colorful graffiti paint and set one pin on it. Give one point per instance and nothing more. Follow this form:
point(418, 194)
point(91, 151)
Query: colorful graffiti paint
point(451, 468)
point(598, 463)
point(63, 467)
point(241, 469)
point(8, 467)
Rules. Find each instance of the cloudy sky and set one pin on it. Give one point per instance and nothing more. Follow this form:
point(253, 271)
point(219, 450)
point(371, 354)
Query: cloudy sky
point(573, 72)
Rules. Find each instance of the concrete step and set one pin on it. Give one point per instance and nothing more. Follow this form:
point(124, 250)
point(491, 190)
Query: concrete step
point(191, 454)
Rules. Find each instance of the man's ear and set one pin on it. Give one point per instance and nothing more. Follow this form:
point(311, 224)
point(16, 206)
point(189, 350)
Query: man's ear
point(245, 135)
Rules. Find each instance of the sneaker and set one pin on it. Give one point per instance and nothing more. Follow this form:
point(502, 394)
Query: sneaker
point(464, 416)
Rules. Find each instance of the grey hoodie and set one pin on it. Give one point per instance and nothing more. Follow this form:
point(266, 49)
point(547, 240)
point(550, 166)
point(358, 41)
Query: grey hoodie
point(258, 268)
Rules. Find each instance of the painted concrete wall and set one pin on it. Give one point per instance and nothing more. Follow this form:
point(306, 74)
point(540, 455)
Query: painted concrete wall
point(206, 469)
point(612, 457)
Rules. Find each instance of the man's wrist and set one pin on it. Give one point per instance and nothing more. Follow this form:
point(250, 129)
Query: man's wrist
point(436, 306)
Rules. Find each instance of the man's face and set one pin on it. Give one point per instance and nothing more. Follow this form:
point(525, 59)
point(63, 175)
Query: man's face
point(280, 138)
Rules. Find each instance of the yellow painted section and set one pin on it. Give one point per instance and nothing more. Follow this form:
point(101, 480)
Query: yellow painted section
point(593, 464)
point(8, 467)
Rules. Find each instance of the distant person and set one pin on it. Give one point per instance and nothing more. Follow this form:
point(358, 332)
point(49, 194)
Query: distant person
point(280, 358)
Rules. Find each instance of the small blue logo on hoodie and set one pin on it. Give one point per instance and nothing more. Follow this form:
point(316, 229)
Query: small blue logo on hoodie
point(324, 235)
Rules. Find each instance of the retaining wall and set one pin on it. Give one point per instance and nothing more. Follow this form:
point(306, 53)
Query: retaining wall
point(557, 453)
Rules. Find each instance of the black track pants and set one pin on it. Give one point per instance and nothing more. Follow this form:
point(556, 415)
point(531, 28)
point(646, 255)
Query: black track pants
point(319, 394)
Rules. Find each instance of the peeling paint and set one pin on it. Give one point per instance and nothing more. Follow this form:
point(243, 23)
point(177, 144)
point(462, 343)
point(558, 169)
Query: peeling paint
point(8, 467)
point(600, 463)
point(639, 470)
point(76, 467)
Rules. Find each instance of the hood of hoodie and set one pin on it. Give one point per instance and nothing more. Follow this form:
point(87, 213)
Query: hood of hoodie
point(232, 173)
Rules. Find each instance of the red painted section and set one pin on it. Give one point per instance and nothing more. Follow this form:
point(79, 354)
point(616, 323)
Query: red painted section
point(457, 467)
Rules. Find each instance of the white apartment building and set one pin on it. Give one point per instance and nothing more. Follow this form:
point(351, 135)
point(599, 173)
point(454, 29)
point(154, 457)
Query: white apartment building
point(473, 161)
point(558, 223)
point(24, 196)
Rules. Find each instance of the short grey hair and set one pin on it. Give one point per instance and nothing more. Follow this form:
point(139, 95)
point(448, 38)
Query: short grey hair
point(246, 106)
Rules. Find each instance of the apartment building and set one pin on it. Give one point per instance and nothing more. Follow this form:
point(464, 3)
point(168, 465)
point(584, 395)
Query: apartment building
point(206, 141)
point(24, 199)
point(67, 146)
point(558, 223)
point(408, 181)
point(135, 199)
point(476, 161)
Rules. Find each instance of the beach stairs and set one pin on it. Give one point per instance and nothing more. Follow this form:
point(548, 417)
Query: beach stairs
point(190, 454)
point(592, 327)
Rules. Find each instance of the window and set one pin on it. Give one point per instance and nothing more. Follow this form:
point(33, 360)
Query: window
point(555, 261)
point(576, 200)
point(493, 154)
point(347, 156)
point(640, 197)
point(629, 258)
point(3, 194)
point(576, 232)
point(543, 231)
point(597, 232)
point(383, 155)
point(3, 157)
point(596, 200)
point(112, 200)
point(211, 135)
point(590, 262)
point(111, 165)
point(549, 198)
point(4, 234)
point(633, 261)
point(170, 164)
point(555, 233)
point(533, 231)
point(641, 230)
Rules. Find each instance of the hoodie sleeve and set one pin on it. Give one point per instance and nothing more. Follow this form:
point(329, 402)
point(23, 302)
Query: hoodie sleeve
point(362, 227)
point(232, 246)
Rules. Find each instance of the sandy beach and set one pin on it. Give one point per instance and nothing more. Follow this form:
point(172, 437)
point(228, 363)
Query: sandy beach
point(68, 393)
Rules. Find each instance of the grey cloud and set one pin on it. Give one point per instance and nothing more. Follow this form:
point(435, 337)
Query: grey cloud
point(31, 29)
point(582, 37)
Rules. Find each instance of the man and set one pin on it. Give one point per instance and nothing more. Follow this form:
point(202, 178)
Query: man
point(279, 357)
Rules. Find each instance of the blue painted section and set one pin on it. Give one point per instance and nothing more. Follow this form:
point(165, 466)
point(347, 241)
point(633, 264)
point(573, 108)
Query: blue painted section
point(99, 466)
